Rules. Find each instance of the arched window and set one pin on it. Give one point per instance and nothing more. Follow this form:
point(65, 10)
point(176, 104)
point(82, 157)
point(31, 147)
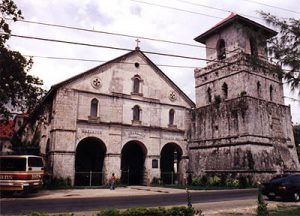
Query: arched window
point(271, 93)
point(94, 107)
point(258, 88)
point(221, 50)
point(225, 90)
point(209, 95)
point(136, 84)
point(136, 113)
point(253, 46)
point(171, 117)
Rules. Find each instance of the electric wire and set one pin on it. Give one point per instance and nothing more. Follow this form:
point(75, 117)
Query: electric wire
point(102, 61)
point(122, 49)
point(272, 6)
point(177, 9)
point(219, 9)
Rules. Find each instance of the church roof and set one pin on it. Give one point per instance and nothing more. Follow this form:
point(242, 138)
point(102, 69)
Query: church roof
point(234, 18)
point(92, 70)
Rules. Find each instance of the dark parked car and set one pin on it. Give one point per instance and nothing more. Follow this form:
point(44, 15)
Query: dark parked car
point(285, 187)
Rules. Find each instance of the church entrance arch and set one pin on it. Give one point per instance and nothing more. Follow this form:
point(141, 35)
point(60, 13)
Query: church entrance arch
point(170, 157)
point(132, 163)
point(89, 160)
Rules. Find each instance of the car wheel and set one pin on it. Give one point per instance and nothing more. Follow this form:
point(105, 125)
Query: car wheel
point(296, 196)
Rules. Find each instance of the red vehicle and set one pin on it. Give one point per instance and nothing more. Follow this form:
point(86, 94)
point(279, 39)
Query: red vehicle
point(21, 173)
point(285, 187)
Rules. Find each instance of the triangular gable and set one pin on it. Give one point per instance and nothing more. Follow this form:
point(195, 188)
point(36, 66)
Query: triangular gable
point(116, 60)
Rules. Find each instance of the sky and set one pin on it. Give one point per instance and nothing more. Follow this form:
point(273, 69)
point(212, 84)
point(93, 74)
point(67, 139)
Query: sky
point(172, 20)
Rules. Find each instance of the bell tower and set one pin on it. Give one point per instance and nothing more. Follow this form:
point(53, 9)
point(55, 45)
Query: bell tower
point(241, 126)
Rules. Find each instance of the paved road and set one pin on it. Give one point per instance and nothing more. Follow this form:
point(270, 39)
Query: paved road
point(14, 206)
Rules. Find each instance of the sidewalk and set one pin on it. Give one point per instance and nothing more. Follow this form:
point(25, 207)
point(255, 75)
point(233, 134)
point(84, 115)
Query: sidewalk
point(119, 191)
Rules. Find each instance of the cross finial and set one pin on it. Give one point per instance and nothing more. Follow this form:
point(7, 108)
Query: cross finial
point(137, 44)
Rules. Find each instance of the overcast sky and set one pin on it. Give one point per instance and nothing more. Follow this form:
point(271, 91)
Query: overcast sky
point(131, 17)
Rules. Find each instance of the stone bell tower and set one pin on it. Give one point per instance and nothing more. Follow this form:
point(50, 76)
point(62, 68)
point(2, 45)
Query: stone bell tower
point(241, 127)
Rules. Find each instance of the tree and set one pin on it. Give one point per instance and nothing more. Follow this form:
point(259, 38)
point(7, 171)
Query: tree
point(296, 130)
point(18, 90)
point(284, 49)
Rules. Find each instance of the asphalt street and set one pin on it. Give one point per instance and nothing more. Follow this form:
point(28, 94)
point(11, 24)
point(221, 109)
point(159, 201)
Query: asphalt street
point(121, 200)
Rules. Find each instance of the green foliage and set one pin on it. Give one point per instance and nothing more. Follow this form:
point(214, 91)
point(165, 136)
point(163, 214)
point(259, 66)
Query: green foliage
point(296, 130)
point(284, 48)
point(231, 182)
point(18, 90)
point(262, 209)
point(178, 211)
point(59, 183)
point(214, 181)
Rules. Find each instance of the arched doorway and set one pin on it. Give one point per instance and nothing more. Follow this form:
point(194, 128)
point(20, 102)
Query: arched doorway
point(170, 157)
point(132, 163)
point(89, 159)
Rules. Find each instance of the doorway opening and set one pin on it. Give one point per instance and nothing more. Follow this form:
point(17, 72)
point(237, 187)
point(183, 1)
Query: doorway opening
point(89, 159)
point(170, 158)
point(132, 163)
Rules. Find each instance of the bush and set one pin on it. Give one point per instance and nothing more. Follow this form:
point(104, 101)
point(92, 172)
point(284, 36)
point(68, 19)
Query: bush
point(231, 182)
point(178, 211)
point(213, 181)
point(196, 181)
point(59, 183)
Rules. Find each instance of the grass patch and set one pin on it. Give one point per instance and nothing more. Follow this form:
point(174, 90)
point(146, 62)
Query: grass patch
point(286, 211)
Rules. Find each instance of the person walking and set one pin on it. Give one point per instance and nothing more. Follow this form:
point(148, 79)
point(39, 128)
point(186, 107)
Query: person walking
point(112, 181)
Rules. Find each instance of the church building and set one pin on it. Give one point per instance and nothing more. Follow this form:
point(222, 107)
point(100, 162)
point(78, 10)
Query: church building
point(128, 118)
point(124, 117)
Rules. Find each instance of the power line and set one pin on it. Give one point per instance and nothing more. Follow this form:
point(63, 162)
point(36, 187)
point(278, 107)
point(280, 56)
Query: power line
point(122, 49)
point(110, 47)
point(177, 9)
point(102, 61)
point(272, 6)
point(112, 33)
point(219, 9)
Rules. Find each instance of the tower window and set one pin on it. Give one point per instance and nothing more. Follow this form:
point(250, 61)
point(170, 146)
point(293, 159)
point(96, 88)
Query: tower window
point(94, 107)
point(225, 90)
point(253, 46)
point(258, 88)
point(136, 113)
point(271, 93)
point(221, 54)
point(171, 117)
point(209, 95)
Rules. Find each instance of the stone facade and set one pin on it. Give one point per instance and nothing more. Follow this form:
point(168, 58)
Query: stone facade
point(111, 85)
point(127, 117)
point(240, 126)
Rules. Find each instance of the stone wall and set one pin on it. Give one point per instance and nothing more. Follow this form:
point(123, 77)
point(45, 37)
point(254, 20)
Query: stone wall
point(245, 135)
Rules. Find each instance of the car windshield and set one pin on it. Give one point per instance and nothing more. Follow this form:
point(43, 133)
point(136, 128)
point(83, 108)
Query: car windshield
point(12, 164)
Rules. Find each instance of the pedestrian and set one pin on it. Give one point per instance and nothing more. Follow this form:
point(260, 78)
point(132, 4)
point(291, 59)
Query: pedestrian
point(112, 181)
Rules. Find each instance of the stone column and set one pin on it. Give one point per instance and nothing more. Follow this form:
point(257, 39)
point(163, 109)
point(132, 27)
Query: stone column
point(112, 164)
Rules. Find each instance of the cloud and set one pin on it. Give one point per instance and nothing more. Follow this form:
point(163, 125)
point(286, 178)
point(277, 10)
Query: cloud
point(127, 17)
